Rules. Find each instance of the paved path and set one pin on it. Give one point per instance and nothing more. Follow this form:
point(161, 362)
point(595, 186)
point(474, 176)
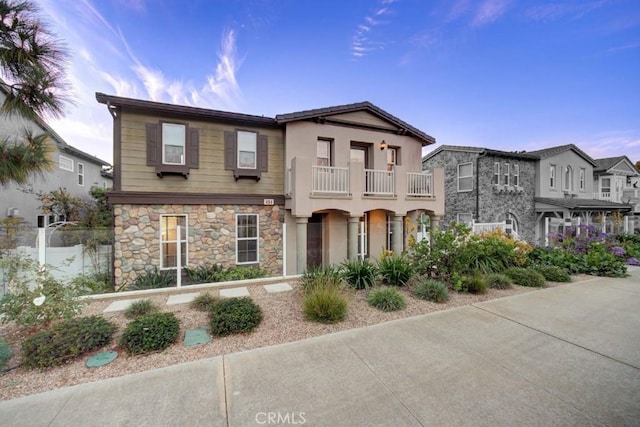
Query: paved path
point(562, 356)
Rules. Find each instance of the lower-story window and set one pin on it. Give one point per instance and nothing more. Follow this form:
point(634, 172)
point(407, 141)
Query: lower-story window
point(247, 238)
point(170, 225)
point(465, 218)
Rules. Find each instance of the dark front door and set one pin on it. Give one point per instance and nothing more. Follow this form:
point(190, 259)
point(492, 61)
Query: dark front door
point(314, 241)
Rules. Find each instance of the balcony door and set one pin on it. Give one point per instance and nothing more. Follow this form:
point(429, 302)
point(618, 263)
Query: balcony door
point(360, 153)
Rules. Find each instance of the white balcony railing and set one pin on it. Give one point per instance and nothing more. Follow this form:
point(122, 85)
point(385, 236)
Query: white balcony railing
point(419, 184)
point(327, 179)
point(604, 195)
point(379, 182)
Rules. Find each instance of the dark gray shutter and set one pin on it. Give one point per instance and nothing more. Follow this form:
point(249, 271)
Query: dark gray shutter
point(154, 151)
point(263, 153)
point(193, 159)
point(230, 151)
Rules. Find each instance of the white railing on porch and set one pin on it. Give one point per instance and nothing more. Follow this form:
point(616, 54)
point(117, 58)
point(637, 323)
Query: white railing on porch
point(379, 182)
point(329, 179)
point(419, 184)
point(606, 195)
point(487, 227)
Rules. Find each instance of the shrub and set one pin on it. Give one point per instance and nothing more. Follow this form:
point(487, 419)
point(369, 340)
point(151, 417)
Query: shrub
point(141, 308)
point(90, 284)
point(204, 274)
point(431, 290)
point(153, 332)
point(66, 340)
point(525, 277)
point(553, 273)
point(475, 284)
point(155, 279)
point(235, 315)
point(359, 274)
point(325, 305)
point(498, 281)
point(204, 302)
point(386, 299)
point(602, 262)
point(243, 273)
point(395, 270)
point(320, 277)
point(5, 354)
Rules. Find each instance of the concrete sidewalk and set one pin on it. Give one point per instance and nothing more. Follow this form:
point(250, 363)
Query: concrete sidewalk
point(568, 355)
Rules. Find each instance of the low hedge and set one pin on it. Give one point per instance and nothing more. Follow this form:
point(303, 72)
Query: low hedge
point(153, 332)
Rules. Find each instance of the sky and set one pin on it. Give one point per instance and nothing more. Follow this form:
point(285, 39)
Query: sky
point(501, 74)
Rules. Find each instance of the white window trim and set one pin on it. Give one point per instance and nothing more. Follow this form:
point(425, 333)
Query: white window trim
point(257, 239)
point(328, 142)
point(583, 178)
point(568, 178)
point(184, 144)
point(553, 180)
point(184, 239)
point(466, 176)
point(255, 151)
point(66, 159)
point(507, 173)
point(516, 174)
point(496, 173)
point(81, 174)
point(464, 222)
point(363, 230)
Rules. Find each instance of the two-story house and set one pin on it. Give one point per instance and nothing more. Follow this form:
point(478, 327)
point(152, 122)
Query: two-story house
point(198, 186)
point(487, 186)
point(72, 169)
point(617, 179)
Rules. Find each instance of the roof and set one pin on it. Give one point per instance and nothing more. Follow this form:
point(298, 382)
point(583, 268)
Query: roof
point(582, 204)
point(321, 113)
point(482, 150)
point(173, 110)
point(553, 151)
point(603, 165)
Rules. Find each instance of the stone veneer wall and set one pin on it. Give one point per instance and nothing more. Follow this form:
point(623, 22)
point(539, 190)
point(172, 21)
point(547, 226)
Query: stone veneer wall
point(211, 230)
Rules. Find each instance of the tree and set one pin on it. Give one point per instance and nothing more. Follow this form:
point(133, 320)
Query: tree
point(19, 160)
point(638, 165)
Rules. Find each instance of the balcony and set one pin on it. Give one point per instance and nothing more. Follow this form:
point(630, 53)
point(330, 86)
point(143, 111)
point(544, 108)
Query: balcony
point(630, 196)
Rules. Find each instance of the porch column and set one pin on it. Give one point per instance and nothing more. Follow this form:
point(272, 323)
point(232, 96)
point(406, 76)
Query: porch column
point(435, 222)
point(352, 237)
point(301, 244)
point(398, 236)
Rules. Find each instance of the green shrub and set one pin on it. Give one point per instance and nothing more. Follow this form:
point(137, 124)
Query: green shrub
point(395, 270)
point(155, 279)
point(91, 284)
point(553, 273)
point(235, 315)
point(320, 277)
point(66, 341)
point(431, 290)
point(498, 281)
point(475, 284)
point(204, 274)
point(5, 354)
point(386, 299)
point(204, 302)
point(153, 332)
point(574, 263)
point(601, 262)
point(141, 308)
point(525, 277)
point(325, 305)
point(243, 273)
point(359, 274)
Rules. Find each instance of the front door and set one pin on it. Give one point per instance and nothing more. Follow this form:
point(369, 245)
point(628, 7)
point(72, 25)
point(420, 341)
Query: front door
point(314, 241)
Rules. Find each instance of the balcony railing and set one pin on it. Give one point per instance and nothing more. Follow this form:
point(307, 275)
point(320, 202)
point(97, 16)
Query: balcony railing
point(379, 182)
point(328, 179)
point(604, 195)
point(419, 184)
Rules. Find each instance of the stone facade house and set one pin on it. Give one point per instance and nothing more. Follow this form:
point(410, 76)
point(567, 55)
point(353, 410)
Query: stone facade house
point(487, 186)
point(195, 186)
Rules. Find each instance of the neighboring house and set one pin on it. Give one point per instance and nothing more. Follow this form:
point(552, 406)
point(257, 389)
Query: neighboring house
point(617, 179)
point(284, 193)
point(487, 186)
point(72, 169)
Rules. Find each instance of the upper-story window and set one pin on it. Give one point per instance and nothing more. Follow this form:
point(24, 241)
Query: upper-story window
point(568, 178)
point(496, 173)
point(65, 163)
point(80, 174)
point(172, 148)
point(583, 172)
point(465, 177)
point(516, 174)
point(247, 150)
point(173, 143)
point(323, 152)
point(507, 173)
point(605, 186)
point(246, 153)
point(392, 158)
point(552, 176)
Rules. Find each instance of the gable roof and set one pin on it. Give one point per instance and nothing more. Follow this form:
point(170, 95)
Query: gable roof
point(553, 151)
point(321, 114)
point(481, 150)
point(603, 165)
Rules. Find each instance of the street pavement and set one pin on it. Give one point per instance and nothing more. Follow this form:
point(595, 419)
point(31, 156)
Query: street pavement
point(563, 356)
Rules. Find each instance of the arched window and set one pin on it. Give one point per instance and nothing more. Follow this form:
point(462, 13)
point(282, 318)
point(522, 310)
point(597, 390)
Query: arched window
point(568, 178)
point(514, 222)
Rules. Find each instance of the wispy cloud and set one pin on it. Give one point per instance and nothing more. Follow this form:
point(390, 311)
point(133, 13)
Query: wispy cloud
point(612, 143)
point(552, 11)
point(490, 11)
point(363, 41)
point(223, 84)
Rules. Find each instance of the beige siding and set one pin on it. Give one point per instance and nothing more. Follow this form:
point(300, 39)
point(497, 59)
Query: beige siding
point(211, 177)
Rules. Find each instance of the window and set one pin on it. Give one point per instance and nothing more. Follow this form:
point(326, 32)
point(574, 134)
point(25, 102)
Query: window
point(605, 186)
point(465, 177)
point(465, 218)
point(363, 242)
point(507, 173)
point(246, 153)
point(552, 176)
point(65, 163)
point(246, 239)
point(80, 174)
point(169, 226)
point(496, 173)
point(582, 179)
point(247, 150)
point(392, 158)
point(568, 178)
point(323, 152)
point(173, 143)
point(516, 174)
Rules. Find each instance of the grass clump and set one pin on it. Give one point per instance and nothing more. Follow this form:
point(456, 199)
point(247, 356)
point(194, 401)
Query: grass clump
point(360, 273)
point(475, 284)
point(155, 279)
point(234, 315)
point(395, 270)
point(5, 354)
point(66, 341)
point(204, 302)
point(325, 305)
point(525, 277)
point(498, 281)
point(153, 332)
point(553, 273)
point(431, 290)
point(386, 299)
point(320, 277)
point(141, 308)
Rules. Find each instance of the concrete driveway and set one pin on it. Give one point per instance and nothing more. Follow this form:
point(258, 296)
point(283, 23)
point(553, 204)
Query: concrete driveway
point(568, 355)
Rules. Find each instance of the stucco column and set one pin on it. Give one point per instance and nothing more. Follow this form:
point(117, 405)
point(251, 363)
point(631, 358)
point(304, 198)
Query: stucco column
point(301, 244)
point(397, 245)
point(435, 222)
point(352, 237)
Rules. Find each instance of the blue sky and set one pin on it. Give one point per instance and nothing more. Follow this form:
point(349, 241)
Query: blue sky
point(502, 74)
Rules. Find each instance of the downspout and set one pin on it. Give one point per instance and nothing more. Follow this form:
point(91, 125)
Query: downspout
point(482, 154)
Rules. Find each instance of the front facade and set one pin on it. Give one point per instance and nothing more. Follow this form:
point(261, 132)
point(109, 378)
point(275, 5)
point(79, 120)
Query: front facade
point(487, 186)
point(199, 187)
point(616, 179)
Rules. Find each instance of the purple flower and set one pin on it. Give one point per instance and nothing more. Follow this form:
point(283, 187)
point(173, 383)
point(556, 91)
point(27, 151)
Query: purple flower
point(618, 251)
point(633, 261)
